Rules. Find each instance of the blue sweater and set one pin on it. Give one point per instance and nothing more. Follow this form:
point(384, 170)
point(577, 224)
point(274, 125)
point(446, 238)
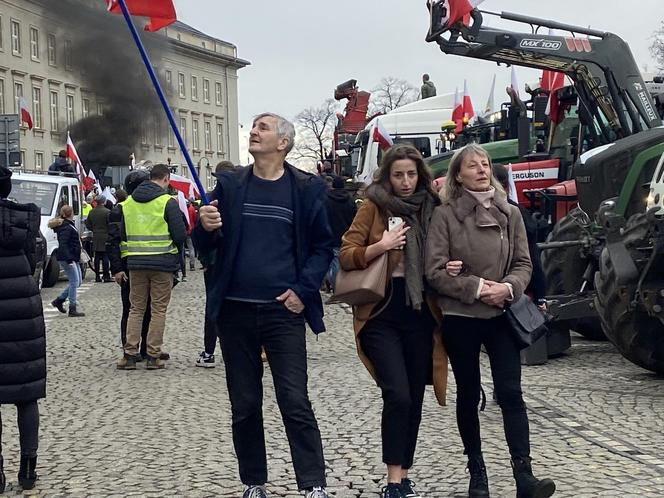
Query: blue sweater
point(312, 239)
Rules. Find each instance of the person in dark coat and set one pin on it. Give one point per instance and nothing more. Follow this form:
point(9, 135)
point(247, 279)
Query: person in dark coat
point(61, 165)
point(22, 332)
point(69, 257)
point(97, 221)
point(341, 211)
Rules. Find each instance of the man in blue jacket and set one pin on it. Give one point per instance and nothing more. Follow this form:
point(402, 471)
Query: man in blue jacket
point(272, 242)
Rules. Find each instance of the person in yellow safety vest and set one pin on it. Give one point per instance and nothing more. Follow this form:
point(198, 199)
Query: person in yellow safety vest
point(152, 229)
point(86, 209)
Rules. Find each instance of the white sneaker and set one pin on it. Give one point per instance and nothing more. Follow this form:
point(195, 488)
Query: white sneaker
point(254, 492)
point(205, 360)
point(316, 492)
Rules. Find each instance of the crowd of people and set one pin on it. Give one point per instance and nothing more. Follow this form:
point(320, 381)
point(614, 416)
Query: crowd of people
point(444, 299)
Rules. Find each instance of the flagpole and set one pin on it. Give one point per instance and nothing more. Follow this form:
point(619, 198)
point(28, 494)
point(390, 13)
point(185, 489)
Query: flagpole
point(162, 99)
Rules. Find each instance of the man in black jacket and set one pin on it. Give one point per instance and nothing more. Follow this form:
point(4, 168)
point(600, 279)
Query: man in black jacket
point(61, 165)
point(341, 210)
point(151, 230)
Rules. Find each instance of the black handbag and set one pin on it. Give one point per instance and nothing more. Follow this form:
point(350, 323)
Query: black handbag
point(526, 320)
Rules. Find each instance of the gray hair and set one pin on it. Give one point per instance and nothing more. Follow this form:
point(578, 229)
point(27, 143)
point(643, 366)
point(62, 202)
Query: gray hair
point(452, 189)
point(101, 199)
point(285, 129)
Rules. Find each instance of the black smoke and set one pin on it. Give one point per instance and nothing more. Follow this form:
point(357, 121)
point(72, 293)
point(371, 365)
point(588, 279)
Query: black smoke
point(106, 59)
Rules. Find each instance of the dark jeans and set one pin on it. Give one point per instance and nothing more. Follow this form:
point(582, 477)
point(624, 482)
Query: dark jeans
point(125, 287)
point(28, 428)
point(243, 329)
point(463, 338)
point(102, 257)
point(210, 328)
point(183, 260)
point(399, 343)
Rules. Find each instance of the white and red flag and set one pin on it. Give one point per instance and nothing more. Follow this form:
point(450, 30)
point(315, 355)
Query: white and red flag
point(457, 112)
point(73, 155)
point(26, 117)
point(468, 111)
point(161, 12)
point(456, 10)
point(552, 81)
point(381, 135)
point(489, 108)
point(184, 185)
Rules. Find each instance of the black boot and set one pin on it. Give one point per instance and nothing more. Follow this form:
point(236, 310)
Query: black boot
point(479, 482)
point(527, 485)
point(73, 312)
point(3, 479)
point(26, 472)
point(58, 304)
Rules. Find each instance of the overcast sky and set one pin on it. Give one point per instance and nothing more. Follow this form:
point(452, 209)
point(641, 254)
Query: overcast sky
point(301, 49)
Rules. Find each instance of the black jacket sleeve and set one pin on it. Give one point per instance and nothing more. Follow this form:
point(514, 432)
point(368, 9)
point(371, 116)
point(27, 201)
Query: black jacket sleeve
point(176, 224)
point(30, 246)
point(114, 239)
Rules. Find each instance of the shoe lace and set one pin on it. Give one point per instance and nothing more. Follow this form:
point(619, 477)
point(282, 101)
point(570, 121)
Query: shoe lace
point(254, 492)
point(317, 492)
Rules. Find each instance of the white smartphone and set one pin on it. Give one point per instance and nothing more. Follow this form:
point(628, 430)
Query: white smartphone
point(393, 222)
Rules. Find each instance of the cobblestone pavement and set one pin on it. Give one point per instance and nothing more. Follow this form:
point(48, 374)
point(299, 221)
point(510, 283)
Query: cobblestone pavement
point(596, 420)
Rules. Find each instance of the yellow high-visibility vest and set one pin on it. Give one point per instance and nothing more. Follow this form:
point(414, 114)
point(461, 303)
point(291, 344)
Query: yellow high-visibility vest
point(86, 210)
point(146, 228)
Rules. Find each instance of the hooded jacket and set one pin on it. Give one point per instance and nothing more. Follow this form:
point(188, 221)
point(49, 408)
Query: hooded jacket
point(340, 212)
point(311, 231)
point(60, 165)
point(69, 241)
point(146, 192)
point(22, 333)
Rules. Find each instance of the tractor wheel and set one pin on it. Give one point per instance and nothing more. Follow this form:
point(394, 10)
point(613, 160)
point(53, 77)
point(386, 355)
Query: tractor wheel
point(637, 336)
point(564, 268)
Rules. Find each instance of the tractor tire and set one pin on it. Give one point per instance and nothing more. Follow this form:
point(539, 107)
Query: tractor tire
point(637, 336)
point(564, 268)
point(51, 272)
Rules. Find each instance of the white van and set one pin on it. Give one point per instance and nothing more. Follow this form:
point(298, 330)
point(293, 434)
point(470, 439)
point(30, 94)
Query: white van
point(418, 123)
point(50, 193)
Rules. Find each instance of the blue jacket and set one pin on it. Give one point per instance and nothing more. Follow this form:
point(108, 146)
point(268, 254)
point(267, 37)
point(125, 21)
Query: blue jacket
point(69, 241)
point(313, 239)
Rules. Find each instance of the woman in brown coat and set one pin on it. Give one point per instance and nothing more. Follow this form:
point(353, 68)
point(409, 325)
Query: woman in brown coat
point(477, 260)
point(395, 336)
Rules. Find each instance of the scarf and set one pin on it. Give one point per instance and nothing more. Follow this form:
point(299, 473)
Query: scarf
point(485, 198)
point(416, 211)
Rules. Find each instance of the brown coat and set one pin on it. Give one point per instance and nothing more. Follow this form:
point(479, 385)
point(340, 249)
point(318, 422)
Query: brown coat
point(367, 229)
point(491, 243)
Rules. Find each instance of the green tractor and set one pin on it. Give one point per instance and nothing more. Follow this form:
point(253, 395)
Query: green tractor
point(605, 257)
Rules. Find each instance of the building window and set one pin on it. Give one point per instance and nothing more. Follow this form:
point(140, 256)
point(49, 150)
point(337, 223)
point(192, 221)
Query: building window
point(158, 130)
point(206, 91)
point(207, 130)
point(100, 108)
point(183, 129)
point(34, 44)
point(18, 93)
point(16, 37)
point(37, 107)
point(217, 93)
point(171, 138)
point(39, 160)
point(85, 108)
point(2, 96)
point(195, 143)
point(220, 138)
point(169, 81)
point(52, 51)
point(23, 157)
point(71, 118)
point(194, 88)
point(53, 103)
point(181, 89)
point(68, 61)
point(144, 132)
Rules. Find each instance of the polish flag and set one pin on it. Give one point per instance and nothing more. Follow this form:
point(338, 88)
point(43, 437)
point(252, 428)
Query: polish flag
point(71, 152)
point(93, 177)
point(488, 109)
point(457, 10)
point(184, 185)
point(182, 204)
point(457, 112)
point(515, 83)
point(468, 111)
point(160, 12)
point(556, 81)
point(381, 136)
point(26, 117)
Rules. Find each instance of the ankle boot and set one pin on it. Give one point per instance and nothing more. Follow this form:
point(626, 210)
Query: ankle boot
point(58, 304)
point(73, 312)
point(479, 482)
point(3, 479)
point(26, 472)
point(527, 485)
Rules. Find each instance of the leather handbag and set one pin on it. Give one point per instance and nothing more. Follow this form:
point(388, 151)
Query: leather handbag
point(357, 287)
point(526, 320)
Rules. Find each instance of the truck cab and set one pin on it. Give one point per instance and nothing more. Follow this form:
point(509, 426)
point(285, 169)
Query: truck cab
point(50, 193)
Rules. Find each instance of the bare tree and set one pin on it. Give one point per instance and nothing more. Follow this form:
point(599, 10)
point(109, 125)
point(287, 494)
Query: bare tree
point(315, 131)
point(391, 93)
point(657, 46)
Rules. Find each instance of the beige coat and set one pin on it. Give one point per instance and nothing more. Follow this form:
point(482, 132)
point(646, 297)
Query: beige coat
point(491, 243)
point(367, 229)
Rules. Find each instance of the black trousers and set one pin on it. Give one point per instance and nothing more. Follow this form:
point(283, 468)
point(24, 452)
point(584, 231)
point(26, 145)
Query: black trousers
point(125, 287)
point(210, 328)
point(102, 258)
point(28, 428)
point(399, 343)
point(243, 329)
point(463, 338)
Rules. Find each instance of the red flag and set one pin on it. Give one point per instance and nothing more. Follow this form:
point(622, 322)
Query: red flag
point(457, 112)
point(73, 155)
point(26, 117)
point(468, 111)
point(556, 81)
point(457, 10)
point(160, 12)
point(382, 136)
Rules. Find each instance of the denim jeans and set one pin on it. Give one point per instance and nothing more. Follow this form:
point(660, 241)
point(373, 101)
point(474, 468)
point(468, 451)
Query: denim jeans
point(334, 268)
point(73, 273)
